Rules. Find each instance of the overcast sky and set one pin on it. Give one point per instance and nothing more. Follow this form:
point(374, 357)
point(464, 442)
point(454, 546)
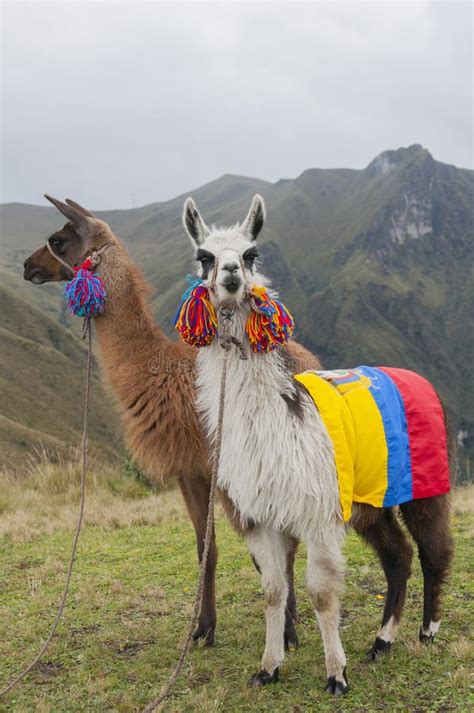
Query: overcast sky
point(116, 104)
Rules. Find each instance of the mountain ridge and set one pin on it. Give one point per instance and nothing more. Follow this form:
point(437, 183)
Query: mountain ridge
point(375, 263)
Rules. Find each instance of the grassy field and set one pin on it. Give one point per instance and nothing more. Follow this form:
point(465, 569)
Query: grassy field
point(131, 600)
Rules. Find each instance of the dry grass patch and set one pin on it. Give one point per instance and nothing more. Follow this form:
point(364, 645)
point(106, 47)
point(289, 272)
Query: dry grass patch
point(463, 499)
point(45, 498)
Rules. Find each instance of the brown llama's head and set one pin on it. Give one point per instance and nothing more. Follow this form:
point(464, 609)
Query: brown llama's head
point(82, 233)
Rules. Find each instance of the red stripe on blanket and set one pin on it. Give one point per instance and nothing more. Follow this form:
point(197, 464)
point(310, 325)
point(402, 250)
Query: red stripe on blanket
point(426, 433)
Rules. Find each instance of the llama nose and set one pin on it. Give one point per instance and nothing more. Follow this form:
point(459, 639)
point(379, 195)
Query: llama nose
point(231, 267)
point(29, 269)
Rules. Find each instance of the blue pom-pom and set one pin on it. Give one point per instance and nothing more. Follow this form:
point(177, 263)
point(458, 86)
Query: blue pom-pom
point(85, 294)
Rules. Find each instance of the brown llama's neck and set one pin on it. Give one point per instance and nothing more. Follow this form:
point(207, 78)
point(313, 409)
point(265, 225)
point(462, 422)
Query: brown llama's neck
point(152, 376)
point(129, 339)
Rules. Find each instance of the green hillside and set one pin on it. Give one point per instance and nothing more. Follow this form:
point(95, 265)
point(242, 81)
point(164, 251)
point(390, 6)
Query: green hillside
point(41, 382)
point(376, 264)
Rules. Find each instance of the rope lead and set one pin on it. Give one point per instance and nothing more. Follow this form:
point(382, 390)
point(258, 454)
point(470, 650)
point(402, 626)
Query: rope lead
point(226, 341)
point(62, 604)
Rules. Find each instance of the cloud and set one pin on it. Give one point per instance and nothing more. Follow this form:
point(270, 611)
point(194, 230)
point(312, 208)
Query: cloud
point(115, 103)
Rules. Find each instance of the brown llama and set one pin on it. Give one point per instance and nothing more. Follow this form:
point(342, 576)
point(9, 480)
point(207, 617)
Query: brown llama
point(152, 378)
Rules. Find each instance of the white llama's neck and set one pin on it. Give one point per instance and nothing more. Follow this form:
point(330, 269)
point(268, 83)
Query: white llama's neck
point(277, 462)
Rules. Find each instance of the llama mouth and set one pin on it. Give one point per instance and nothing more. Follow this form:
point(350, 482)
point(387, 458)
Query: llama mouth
point(231, 284)
point(34, 276)
point(232, 287)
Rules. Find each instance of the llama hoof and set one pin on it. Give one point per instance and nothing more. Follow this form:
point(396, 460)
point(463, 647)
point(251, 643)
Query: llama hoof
point(263, 678)
point(291, 639)
point(379, 647)
point(335, 687)
point(204, 634)
point(426, 638)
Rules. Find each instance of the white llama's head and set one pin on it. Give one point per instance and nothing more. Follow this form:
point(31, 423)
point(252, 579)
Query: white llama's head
point(227, 256)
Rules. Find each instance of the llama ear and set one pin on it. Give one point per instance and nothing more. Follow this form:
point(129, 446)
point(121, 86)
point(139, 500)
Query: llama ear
point(77, 217)
point(80, 208)
point(193, 223)
point(253, 223)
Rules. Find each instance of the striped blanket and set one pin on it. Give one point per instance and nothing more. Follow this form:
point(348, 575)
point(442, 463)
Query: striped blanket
point(388, 432)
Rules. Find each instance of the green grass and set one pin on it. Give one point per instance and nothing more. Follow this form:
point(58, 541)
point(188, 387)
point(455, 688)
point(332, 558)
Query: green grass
point(131, 600)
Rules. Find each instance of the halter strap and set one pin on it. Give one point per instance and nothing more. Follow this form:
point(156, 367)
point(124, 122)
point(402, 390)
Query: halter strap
point(59, 259)
point(95, 256)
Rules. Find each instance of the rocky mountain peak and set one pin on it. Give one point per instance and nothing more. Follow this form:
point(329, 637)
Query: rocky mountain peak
point(387, 161)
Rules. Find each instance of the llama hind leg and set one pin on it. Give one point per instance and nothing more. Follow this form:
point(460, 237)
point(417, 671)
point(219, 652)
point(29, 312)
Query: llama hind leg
point(428, 521)
point(379, 527)
point(269, 551)
point(325, 580)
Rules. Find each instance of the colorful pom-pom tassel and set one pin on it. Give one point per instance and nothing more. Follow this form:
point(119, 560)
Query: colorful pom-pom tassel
point(196, 319)
point(85, 293)
point(268, 327)
point(270, 324)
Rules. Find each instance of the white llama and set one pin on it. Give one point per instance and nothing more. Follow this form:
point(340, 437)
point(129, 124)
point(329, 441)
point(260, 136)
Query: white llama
point(277, 464)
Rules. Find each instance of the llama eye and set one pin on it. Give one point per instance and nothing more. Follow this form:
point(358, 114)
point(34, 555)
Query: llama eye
point(206, 259)
point(57, 244)
point(207, 262)
point(249, 258)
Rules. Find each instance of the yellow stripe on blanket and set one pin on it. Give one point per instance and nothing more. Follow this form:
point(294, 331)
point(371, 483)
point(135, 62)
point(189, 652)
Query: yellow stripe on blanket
point(356, 430)
point(338, 420)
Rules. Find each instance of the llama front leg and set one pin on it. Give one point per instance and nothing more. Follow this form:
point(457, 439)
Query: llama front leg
point(269, 550)
point(195, 492)
point(325, 579)
point(291, 637)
